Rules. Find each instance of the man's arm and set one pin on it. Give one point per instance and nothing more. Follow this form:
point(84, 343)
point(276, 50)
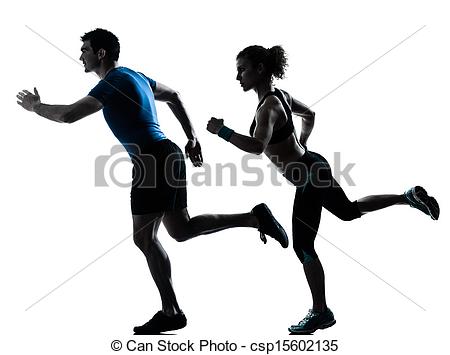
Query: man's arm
point(172, 98)
point(59, 113)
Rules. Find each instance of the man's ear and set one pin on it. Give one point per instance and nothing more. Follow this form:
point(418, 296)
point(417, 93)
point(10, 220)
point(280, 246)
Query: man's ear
point(101, 53)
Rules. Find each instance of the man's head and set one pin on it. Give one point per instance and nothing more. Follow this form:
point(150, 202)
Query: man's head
point(99, 45)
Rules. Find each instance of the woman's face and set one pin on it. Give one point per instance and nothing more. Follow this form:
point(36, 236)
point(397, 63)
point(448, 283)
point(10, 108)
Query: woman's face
point(247, 74)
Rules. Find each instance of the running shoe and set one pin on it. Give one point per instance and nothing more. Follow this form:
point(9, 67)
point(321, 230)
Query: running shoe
point(269, 225)
point(161, 322)
point(313, 321)
point(418, 198)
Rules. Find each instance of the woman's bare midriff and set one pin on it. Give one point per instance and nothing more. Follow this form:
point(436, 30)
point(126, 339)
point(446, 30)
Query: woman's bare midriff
point(285, 152)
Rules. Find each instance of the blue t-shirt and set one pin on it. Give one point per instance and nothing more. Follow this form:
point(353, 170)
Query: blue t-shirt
point(129, 107)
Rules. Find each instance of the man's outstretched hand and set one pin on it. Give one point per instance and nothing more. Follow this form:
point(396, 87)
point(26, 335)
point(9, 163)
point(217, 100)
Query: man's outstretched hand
point(28, 100)
point(194, 152)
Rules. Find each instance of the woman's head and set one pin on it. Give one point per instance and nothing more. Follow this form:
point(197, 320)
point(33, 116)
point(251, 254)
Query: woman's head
point(256, 63)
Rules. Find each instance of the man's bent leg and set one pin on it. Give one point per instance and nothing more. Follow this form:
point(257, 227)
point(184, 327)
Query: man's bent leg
point(182, 227)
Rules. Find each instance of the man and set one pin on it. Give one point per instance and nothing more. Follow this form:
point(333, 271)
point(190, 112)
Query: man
point(158, 191)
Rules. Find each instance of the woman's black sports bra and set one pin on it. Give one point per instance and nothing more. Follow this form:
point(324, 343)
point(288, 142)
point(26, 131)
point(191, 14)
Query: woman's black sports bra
point(285, 131)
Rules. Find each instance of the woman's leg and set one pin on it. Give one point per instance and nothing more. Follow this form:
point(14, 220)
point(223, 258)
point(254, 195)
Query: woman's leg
point(416, 197)
point(306, 220)
point(305, 224)
point(336, 201)
point(378, 202)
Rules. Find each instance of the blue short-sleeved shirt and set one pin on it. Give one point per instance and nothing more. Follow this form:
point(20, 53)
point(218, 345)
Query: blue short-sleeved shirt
point(129, 107)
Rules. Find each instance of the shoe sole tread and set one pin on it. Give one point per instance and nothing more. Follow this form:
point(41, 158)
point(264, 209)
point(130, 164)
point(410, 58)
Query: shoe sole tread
point(430, 203)
point(322, 326)
point(262, 212)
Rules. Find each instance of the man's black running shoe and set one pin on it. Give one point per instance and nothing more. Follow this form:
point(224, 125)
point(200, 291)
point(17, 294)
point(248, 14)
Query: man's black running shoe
point(269, 225)
point(161, 322)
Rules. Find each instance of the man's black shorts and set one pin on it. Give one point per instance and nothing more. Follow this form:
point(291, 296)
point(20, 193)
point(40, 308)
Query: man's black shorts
point(159, 179)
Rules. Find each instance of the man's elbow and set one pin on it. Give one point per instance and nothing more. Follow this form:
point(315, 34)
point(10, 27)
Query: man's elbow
point(174, 98)
point(68, 117)
point(64, 118)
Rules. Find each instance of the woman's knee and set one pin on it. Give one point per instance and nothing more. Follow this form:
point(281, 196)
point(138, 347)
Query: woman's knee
point(345, 210)
point(306, 257)
point(304, 251)
point(346, 217)
point(349, 214)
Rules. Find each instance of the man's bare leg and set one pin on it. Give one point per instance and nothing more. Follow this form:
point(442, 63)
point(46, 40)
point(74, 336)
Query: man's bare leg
point(145, 237)
point(182, 227)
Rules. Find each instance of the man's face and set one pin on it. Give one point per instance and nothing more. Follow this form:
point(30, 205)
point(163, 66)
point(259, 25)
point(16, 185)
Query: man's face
point(88, 57)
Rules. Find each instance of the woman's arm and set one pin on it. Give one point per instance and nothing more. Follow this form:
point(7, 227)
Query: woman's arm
point(265, 120)
point(307, 115)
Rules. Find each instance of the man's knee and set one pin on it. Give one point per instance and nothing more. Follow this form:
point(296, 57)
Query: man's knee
point(177, 225)
point(179, 236)
point(139, 241)
point(144, 230)
point(143, 241)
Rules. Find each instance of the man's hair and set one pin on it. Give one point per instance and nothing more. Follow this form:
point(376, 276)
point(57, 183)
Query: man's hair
point(100, 38)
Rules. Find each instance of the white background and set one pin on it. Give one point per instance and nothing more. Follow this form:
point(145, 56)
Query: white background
point(390, 120)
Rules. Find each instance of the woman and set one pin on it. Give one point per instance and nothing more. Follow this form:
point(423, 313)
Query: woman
point(272, 133)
